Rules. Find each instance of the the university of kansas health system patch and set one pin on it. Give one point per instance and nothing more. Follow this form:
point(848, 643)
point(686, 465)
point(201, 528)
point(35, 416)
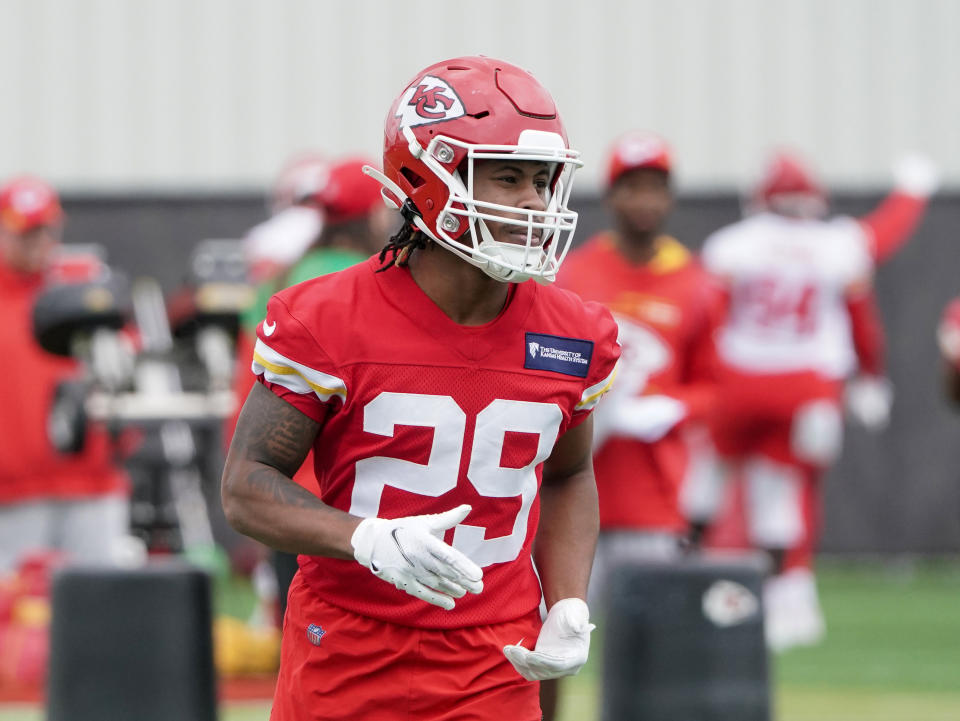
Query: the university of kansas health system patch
point(570, 356)
point(315, 633)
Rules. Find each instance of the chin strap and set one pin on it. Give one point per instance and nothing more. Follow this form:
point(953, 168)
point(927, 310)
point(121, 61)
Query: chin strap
point(405, 205)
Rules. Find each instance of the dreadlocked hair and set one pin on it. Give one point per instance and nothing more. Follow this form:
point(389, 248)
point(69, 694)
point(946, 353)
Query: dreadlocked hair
point(404, 241)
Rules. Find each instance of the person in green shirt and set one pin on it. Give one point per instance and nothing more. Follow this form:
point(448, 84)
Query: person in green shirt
point(355, 224)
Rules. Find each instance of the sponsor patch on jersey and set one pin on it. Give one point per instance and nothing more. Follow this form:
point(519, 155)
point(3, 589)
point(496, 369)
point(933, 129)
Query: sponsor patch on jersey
point(315, 634)
point(570, 356)
point(429, 100)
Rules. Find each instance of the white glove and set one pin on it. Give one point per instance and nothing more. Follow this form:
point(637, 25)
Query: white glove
point(408, 553)
point(646, 418)
point(915, 174)
point(562, 646)
point(868, 400)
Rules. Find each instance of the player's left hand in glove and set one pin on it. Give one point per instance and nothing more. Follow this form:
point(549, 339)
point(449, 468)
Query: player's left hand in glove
point(869, 399)
point(562, 646)
point(408, 553)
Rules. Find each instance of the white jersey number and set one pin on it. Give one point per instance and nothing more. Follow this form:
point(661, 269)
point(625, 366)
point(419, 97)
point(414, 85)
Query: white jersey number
point(439, 474)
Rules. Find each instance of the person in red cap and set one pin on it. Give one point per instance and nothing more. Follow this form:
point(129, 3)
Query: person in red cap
point(664, 306)
point(802, 336)
point(352, 224)
point(74, 503)
point(273, 246)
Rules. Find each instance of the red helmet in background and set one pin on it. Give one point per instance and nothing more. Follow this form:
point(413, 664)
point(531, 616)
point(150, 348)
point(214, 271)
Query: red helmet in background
point(347, 192)
point(476, 108)
point(637, 149)
point(299, 179)
point(789, 187)
point(27, 203)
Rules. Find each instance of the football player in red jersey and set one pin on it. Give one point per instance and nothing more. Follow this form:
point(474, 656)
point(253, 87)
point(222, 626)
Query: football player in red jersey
point(662, 301)
point(948, 340)
point(447, 403)
point(75, 503)
point(802, 321)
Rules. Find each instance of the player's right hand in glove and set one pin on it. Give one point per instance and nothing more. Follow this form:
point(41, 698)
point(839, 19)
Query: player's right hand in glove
point(409, 553)
point(869, 399)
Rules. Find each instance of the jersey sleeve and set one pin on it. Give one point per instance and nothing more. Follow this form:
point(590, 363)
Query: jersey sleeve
point(891, 224)
point(289, 361)
point(867, 331)
point(716, 255)
point(603, 364)
point(699, 390)
point(851, 258)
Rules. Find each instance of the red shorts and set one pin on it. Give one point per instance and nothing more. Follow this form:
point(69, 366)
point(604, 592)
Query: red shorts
point(755, 413)
point(338, 665)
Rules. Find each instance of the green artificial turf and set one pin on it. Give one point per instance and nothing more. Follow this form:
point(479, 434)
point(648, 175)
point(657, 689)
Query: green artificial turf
point(892, 653)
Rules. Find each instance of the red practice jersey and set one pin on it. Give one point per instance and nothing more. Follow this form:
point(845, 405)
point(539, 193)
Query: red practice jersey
point(665, 310)
point(30, 468)
point(420, 414)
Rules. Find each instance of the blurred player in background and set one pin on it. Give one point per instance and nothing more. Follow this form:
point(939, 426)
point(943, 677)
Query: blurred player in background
point(73, 503)
point(662, 301)
point(948, 340)
point(802, 335)
point(295, 222)
point(447, 403)
point(351, 224)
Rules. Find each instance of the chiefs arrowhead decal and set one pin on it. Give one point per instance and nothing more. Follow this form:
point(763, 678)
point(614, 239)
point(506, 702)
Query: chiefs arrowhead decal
point(430, 100)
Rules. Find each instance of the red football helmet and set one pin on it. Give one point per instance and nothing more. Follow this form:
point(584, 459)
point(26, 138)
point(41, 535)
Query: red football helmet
point(789, 187)
point(347, 193)
point(298, 179)
point(637, 149)
point(27, 202)
point(476, 108)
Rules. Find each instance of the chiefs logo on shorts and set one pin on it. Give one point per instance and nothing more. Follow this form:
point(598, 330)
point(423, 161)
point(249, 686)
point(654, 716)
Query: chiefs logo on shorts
point(429, 100)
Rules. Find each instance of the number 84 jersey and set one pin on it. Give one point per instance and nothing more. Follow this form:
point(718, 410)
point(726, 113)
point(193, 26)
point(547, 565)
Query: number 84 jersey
point(419, 414)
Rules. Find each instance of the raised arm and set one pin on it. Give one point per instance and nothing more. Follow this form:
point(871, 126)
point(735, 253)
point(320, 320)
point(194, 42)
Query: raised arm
point(892, 223)
point(259, 498)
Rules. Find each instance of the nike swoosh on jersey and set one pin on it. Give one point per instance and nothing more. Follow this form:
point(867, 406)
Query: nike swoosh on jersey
point(268, 328)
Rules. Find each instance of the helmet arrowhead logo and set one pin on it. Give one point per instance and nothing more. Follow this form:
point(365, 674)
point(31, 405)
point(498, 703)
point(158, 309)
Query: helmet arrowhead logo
point(429, 100)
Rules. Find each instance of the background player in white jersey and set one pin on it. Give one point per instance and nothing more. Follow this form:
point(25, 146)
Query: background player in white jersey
point(801, 320)
point(447, 403)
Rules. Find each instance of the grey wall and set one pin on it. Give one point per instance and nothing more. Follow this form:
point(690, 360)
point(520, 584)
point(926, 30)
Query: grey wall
point(195, 94)
point(892, 492)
